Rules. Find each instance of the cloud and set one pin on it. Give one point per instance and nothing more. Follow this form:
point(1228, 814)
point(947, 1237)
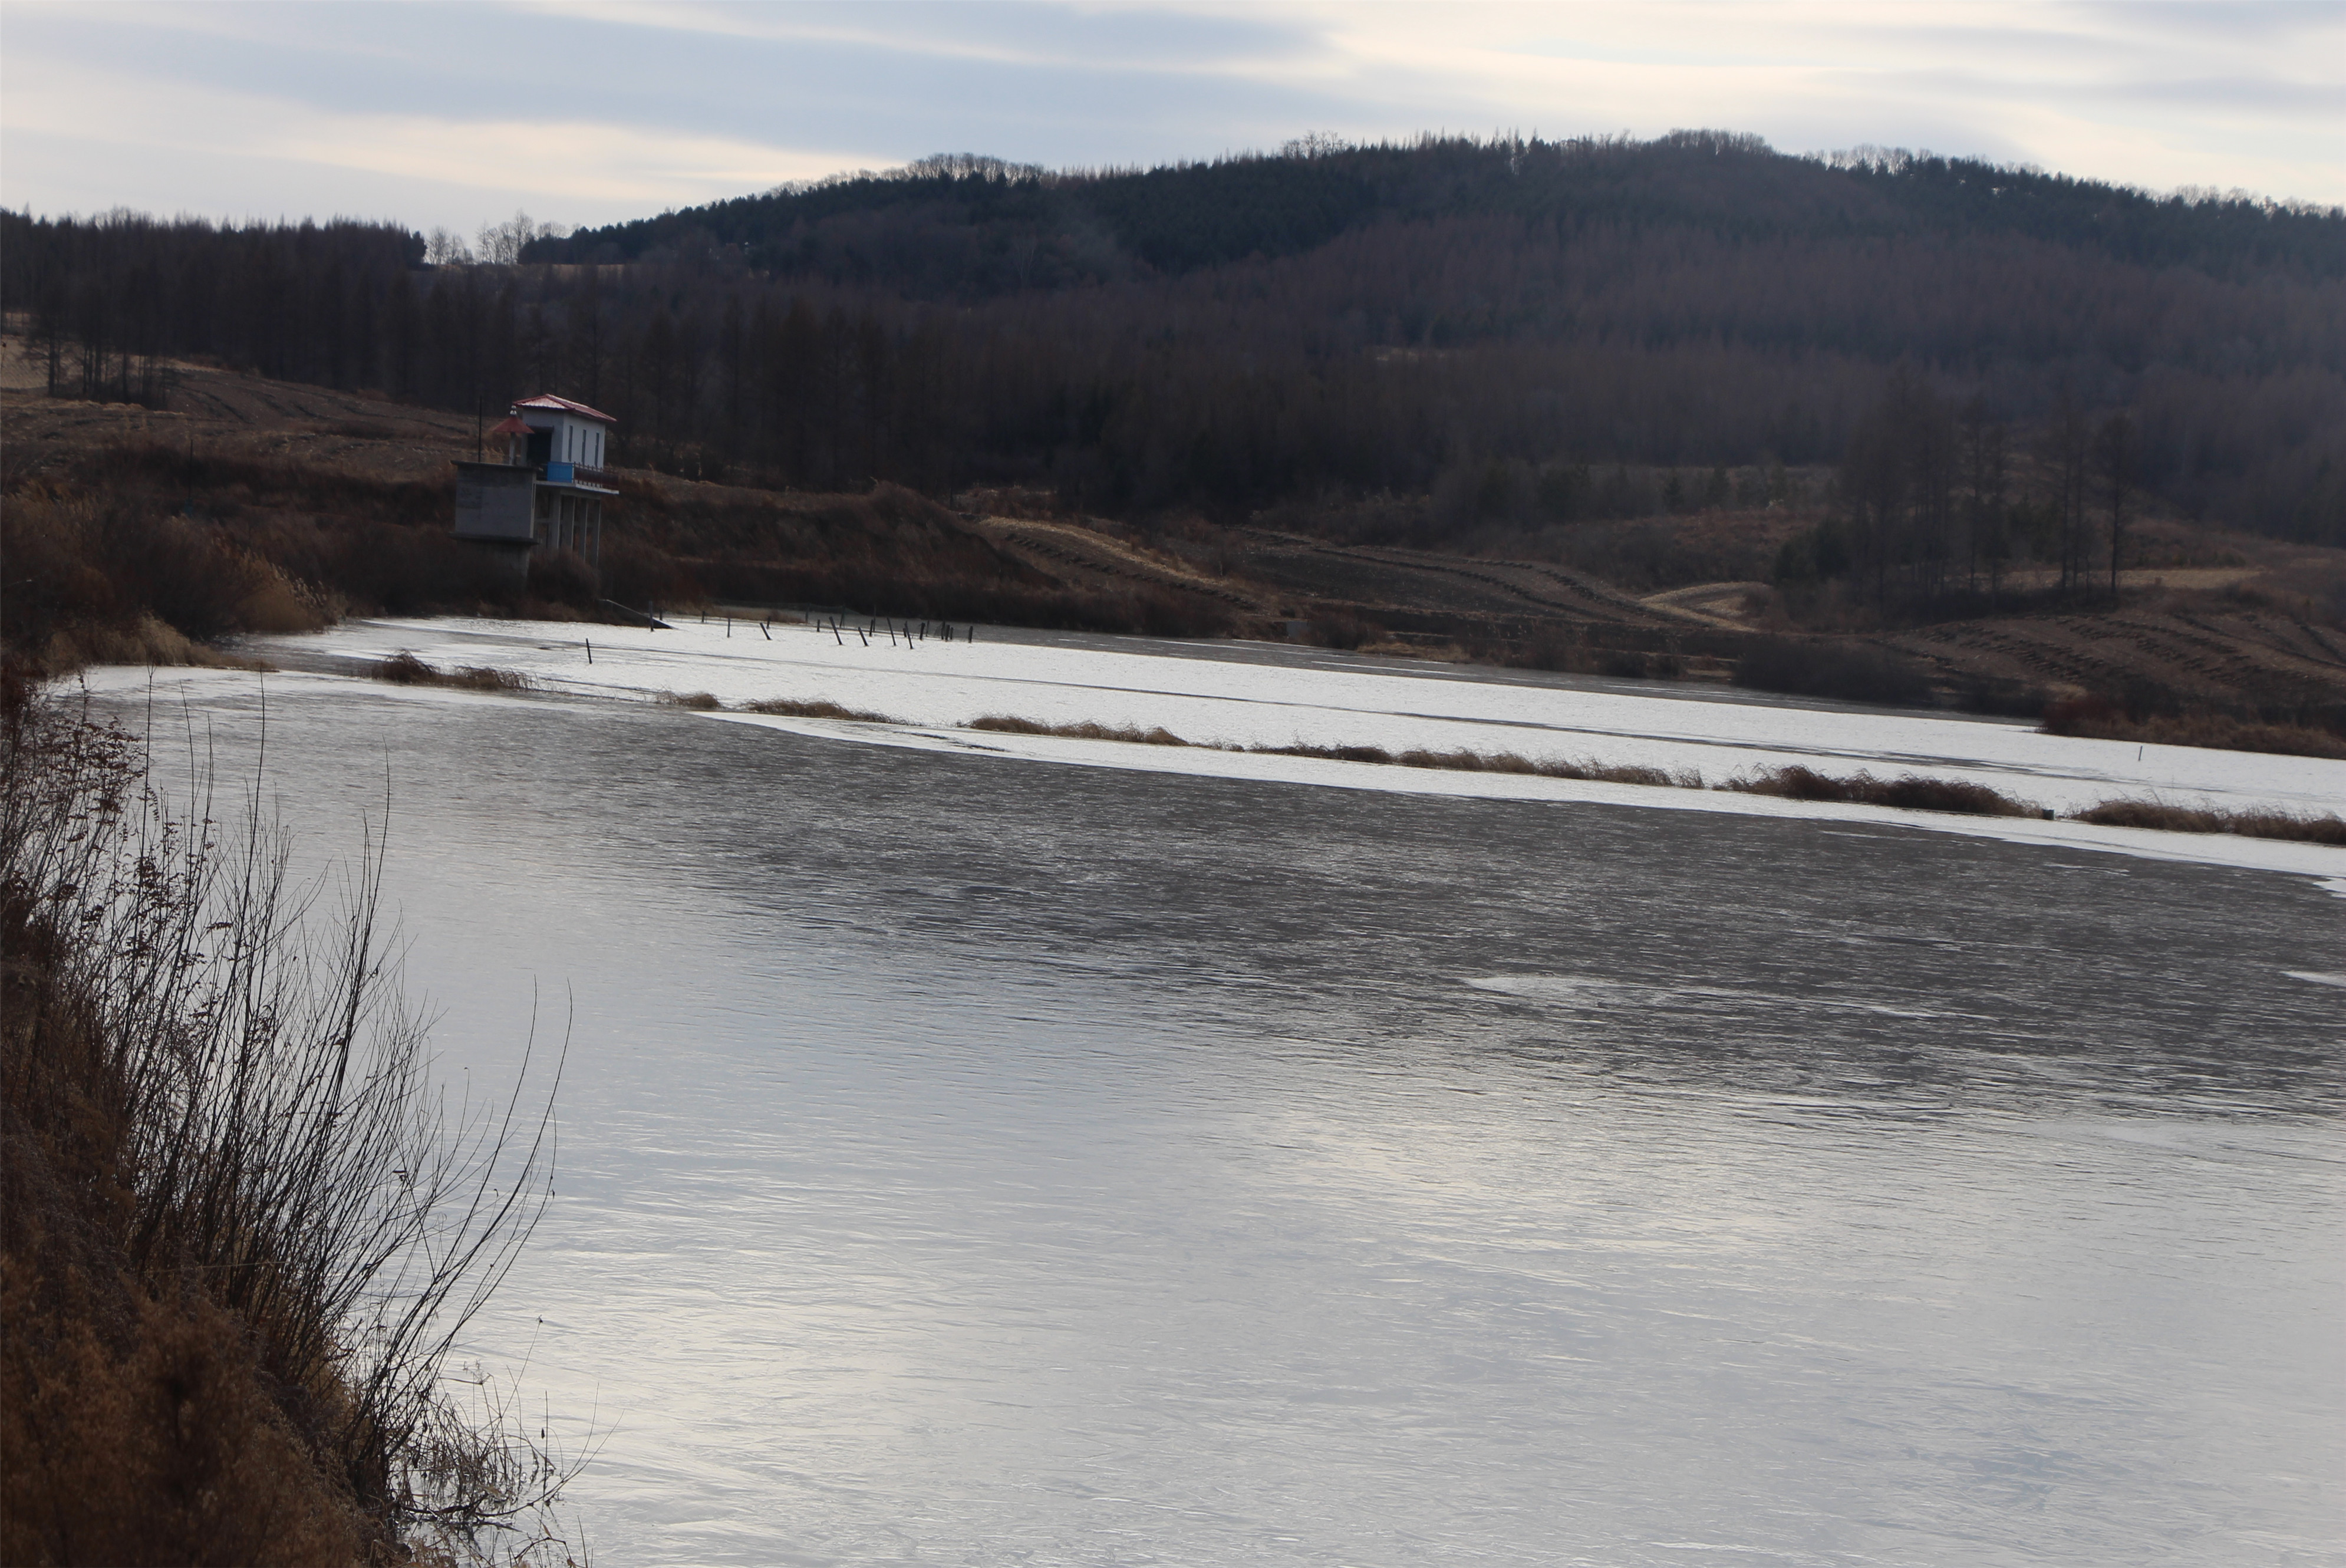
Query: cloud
point(576, 160)
point(590, 112)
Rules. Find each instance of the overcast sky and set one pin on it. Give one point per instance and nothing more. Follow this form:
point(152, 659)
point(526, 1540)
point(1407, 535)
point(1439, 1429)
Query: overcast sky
point(456, 115)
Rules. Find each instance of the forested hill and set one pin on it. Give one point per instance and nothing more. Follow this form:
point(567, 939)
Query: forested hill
point(1468, 333)
point(966, 227)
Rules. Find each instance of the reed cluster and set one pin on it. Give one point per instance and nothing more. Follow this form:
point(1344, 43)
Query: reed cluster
point(818, 708)
point(2312, 827)
point(1131, 734)
point(404, 668)
point(1909, 791)
point(243, 1231)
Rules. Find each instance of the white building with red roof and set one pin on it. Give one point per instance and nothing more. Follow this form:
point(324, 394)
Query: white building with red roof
point(550, 489)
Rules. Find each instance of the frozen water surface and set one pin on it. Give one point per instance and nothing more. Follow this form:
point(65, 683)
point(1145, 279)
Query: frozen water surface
point(967, 1160)
point(1267, 694)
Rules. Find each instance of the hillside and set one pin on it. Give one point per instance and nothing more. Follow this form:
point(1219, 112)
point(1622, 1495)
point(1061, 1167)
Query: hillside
point(966, 227)
point(1883, 426)
point(1322, 328)
point(264, 505)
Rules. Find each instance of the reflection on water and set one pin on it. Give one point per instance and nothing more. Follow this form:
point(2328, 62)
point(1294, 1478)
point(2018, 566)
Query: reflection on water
point(992, 1162)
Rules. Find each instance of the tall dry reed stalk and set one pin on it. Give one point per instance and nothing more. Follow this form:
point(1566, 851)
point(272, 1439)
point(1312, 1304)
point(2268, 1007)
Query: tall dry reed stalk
point(268, 1122)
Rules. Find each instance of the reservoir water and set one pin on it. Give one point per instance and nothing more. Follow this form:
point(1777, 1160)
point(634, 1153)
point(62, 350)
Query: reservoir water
point(971, 1160)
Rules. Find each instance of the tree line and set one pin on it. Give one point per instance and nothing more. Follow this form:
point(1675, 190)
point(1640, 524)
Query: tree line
point(1933, 496)
point(1320, 326)
point(963, 226)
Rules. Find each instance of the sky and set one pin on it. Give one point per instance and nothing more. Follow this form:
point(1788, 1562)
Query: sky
point(457, 116)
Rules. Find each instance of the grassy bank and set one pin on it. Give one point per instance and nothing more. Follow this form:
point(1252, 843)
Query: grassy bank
point(2099, 719)
point(144, 553)
point(239, 1234)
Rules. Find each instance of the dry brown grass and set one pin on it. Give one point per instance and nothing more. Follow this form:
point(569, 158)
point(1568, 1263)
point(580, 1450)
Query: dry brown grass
point(2096, 719)
point(1909, 792)
point(144, 641)
point(818, 708)
point(1133, 735)
point(1371, 754)
point(2311, 828)
point(237, 1237)
point(142, 1427)
point(1458, 761)
point(1465, 761)
point(93, 581)
point(404, 668)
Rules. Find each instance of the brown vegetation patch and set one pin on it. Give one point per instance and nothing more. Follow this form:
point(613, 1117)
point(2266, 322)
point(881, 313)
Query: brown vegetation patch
point(1376, 754)
point(109, 529)
point(2097, 719)
point(1458, 761)
point(1909, 792)
point(236, 1237)
point(817, 708)
point(94, 578)
point(2311, 828)
point(404, 668)
point(1004, 724)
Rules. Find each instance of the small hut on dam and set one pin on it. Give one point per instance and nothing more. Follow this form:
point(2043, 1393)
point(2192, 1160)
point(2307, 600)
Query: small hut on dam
point(550, 489)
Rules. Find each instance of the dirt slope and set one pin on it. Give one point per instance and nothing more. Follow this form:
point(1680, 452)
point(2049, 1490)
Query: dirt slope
point(1080, 556)
point(2199, 646)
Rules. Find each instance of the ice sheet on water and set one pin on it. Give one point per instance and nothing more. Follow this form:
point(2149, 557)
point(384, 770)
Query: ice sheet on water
point(1247, 694)
point(2199, 848)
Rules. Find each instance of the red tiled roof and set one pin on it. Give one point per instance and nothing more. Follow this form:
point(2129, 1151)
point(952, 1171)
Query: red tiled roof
point(514, 426)
point(548, 402)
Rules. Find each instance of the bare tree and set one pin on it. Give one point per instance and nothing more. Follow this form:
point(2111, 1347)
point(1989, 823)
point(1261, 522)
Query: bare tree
point(2113, 461)
point(1984, 470)
point(446, 248)
point(501, 243)
point(2067, 444)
